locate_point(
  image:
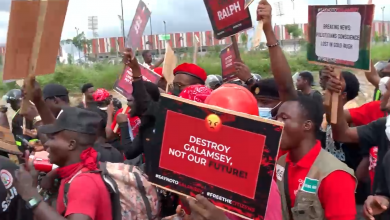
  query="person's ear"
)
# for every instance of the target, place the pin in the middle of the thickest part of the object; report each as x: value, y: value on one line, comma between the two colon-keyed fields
x: 344, y: 96
x: 307, y: 125
x: 72, y: 145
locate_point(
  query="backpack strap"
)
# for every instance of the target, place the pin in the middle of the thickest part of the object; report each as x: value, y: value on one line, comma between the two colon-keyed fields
x: 112, y: 188
x: 66, y: 191
x: 142, y: 190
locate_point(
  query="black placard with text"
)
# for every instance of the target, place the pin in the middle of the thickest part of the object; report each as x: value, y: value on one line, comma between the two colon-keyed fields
x: 228, y: 17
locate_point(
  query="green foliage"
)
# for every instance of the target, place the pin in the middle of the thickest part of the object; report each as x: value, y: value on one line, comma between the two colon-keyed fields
x: 294, y: 30
x: 244, y: 39
x: 104, y: 75
x: 377, y: 38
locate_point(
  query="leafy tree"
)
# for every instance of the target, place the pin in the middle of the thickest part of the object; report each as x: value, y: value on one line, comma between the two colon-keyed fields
x: 294, y: 30
x: 70, y: 58
x: 377, y: 38
x: 244, y: 39
x: 79, y: 41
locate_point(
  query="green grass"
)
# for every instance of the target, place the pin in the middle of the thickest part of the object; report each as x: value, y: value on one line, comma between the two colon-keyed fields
x: 104, y: 75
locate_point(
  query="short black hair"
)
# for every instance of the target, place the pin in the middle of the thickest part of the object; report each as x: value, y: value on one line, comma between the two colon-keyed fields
x: 351, y: 85
x: 266, y: 88
x: 85, y: 87
x: 312, y: 110
x: 145, y: 52
x: 306, y: 75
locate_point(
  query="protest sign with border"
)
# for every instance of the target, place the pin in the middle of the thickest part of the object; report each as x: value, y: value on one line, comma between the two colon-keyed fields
x: 228, y: 58
x: 137, y: 28
x: 226, y: 156
x: 124, y: 84
x: 228, y: 17
x: 340, y: 35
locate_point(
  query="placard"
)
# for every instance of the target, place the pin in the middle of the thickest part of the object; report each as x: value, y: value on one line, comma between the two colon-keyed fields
x: 170, y: 62
x: 340, y: 35
x: 228, y: 58
x: 124, y: 84
x: 137, y: 28
x: 30, y: 23
x: 226, y: 156
x: 228, y: 17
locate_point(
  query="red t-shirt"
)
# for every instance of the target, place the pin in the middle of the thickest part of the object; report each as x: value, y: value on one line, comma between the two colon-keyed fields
x: 363, y: 115
x: 87, y: 195
x: 366, y: 113
x: 336, y: 190
x: 135, y: 122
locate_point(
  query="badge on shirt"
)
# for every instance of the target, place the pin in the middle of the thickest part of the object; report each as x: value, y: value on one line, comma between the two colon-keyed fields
x: 310, y: 185
x: 279, y: 172
x: 6, y: 178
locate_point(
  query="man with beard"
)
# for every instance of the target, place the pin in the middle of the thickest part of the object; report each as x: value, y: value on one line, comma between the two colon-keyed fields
x: 148, y: 59
x: 87, y: 91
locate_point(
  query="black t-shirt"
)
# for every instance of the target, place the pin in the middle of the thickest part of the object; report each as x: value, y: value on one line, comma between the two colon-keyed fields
x: 373, y: 134
x: 12, y: 206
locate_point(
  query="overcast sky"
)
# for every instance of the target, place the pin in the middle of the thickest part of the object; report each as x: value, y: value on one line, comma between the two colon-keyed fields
x: 180, y: 15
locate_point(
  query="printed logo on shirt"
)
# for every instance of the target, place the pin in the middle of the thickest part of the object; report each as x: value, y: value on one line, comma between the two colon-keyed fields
x: 279, y: 172
x: 6, y: 178
x: 12, y: 193
x: 310, y: 185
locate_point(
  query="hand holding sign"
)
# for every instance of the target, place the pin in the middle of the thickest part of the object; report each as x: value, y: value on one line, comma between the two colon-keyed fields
x: 131, y: 61
x: 242, y: 71
x: 264, y: 13
x: 202, y: 208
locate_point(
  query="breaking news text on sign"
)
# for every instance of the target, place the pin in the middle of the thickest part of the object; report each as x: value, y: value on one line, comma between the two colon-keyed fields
x: 340, y: 35
x: 225, y: 157
x: 228, y: 17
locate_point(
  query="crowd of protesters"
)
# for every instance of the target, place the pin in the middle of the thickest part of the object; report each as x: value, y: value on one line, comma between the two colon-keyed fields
x: 347, y: 160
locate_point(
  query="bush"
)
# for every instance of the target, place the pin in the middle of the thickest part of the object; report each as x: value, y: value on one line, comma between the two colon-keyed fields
x: 104, y: 75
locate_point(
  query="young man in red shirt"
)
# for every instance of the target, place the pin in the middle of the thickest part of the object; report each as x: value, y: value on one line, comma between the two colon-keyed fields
x: 82, y: 193
x: 300, y: 176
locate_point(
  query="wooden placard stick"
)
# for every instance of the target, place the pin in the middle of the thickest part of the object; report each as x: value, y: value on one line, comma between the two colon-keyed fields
x: 327, y: 97
x: 34, y: 54
x: 335, y: 99
x: 196, y: 49
x: 235, y: 47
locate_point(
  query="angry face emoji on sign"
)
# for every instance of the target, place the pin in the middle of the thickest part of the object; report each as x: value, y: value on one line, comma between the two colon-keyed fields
x: 213, y: 122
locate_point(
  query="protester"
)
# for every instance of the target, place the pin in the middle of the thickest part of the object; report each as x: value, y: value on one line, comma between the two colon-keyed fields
x: 14, y: 98
x: 213, y: 81
x: 373, y: 134
x: 13, y: 207
x: 72, y: 135
x: 379, y: 70
x: 87, y: 91
x: 55, y: 96
x: 187, y: 74
x: 147, y: 56
x: 304, y: 84
x: 107, y: 153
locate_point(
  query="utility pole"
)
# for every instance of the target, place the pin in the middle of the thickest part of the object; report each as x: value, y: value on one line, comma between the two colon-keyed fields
x: 151, y: 32
x: 123, y: 21
x: 279, y: 13
x: 77, y: 32
x: 93, y: 25
x: 337, y: 2
x: 383, y: 23
x: 122, y: 25
x: 293, y: 11
x: 165, y: 27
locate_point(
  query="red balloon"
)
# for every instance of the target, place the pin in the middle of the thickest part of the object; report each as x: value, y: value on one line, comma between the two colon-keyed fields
x: 234, y: 97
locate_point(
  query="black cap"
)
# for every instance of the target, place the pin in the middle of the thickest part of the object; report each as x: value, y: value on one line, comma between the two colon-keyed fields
x: 54, y: 90
x: 74, y: 119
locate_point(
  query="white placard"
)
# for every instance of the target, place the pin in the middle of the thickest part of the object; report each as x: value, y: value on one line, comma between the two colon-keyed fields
x: 338, y: 35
